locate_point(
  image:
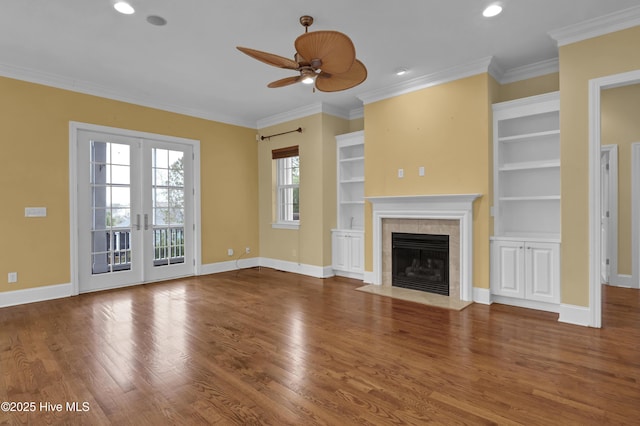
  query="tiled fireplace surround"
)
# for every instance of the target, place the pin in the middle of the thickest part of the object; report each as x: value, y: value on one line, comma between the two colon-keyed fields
x: 450, y: 214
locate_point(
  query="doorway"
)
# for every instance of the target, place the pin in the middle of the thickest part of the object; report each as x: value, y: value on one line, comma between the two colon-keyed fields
x: 596, y: 86
x: 135, y: 208
x: 609, y: 214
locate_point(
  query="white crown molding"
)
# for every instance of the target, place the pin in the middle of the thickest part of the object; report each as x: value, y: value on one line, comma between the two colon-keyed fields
x: 65, y: 83
x: 595, y: 27
x: 304, y: 111
x: 536, y: 69
x: 356, y: 113
x: 429, y: 80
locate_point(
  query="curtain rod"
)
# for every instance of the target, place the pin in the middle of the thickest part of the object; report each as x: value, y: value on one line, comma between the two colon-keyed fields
x: 299, y: 130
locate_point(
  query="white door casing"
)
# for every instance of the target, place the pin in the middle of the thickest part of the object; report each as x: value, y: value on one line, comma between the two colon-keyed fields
x: 147, y: 226
x: 596, y: 85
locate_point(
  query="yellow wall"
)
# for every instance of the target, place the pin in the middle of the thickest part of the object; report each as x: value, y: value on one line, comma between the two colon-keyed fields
x: 34, y: 172
x: 580, y: 62
x: 620, y: 109
x: 530, y: 87
x: 311, y: 243
x: 446, y: 129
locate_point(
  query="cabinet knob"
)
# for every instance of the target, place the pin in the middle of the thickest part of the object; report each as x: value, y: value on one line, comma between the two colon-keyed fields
x: 520, y: 247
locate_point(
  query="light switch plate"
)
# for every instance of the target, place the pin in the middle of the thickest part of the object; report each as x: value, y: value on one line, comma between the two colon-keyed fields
x: 35, y: 212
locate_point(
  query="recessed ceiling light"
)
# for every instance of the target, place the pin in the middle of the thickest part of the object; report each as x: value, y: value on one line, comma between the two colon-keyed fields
x: 401, y: 71
x: 156, y: 20
x: 124, y: 7
x: 492, y: 10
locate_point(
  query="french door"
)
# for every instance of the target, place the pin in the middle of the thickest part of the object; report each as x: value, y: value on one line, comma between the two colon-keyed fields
x: 135, y: 210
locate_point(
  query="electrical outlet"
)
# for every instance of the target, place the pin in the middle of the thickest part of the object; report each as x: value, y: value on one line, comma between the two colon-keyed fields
x: 247, y: 250
x: 12, y: 277
x: 400, y: 173
x: 230, y: 252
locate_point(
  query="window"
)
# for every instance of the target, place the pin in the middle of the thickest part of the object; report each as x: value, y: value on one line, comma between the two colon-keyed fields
x: 287, y: 185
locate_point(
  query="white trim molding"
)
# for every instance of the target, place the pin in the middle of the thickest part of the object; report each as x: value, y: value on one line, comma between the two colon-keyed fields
x: 595, y: 27
x: 87, y: 88
x: 440, y: 77
x: 635, y: 215
x: 596, y: 85
x: 230, y: 265
x: 482, y: 296
x: 525, y: 72
x: 297, y: 268
x: 302, y: 112
x: 37, y: 294
x: 450, y: 206
x: 576, y: 315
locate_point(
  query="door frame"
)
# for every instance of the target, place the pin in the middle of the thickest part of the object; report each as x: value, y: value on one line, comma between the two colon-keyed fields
x: 596, y: 85
x: 612, y: 237
x: 635, y: 213
x: 74, y: 128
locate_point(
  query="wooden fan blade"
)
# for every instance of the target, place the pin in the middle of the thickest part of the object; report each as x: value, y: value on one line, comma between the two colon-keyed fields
x: 284, y: 82
x: 335, y: 82
x: 270, y: 58
x: 334, y: 49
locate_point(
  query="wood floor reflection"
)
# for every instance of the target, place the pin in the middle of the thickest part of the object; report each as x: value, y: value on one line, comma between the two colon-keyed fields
x: 268, y: 347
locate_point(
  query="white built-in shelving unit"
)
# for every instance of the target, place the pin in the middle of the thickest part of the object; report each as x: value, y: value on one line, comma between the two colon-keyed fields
x: 525, y: 248
x: 348, y: 237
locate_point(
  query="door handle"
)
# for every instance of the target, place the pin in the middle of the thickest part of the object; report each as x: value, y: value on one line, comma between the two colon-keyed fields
x: 137, y: 222
x: 146, y: 221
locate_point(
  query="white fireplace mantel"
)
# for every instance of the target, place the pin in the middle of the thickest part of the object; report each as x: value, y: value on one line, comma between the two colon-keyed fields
x: 447, y: 206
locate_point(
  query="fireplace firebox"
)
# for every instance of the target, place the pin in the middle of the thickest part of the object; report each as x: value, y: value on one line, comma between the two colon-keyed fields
x: 420, y: 262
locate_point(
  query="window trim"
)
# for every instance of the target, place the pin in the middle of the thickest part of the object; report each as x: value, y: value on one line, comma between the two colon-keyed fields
x: 279, y: 155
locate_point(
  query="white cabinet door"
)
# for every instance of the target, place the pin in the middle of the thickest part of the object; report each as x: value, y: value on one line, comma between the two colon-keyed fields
x: 542, y: 263
x: 507, y: 268
x: 356, y: 257
x: 340, y: 251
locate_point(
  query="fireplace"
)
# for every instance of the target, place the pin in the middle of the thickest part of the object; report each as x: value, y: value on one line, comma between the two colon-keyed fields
x: 420, y: 262
x: 447, y: 214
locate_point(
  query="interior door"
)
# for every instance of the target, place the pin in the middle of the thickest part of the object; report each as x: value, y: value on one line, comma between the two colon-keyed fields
x: 135, y: 213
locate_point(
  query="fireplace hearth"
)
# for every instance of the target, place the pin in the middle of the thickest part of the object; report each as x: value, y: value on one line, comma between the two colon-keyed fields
x: 420, y: 262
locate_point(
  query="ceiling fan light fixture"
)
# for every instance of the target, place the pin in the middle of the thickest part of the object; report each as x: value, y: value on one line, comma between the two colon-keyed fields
x: 308, y: 76
x: 492, y: 10
x: 124, y: 8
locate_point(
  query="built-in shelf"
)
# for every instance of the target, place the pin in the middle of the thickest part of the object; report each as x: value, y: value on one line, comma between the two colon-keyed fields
x: 354, y: 180
x: 346, y: 160
x: 529, y: 165
x: 525, y: 248
x: 348, y: 237
x: 533, y: 136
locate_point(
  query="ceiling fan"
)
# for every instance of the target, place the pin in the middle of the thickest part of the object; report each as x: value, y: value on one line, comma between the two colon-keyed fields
x: 327, y: 58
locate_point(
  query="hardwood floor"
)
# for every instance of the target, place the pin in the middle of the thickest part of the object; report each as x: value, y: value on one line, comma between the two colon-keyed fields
x: 268, y: 347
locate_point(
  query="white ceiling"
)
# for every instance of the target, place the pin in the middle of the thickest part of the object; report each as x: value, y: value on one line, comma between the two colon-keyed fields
x: 191, y: 64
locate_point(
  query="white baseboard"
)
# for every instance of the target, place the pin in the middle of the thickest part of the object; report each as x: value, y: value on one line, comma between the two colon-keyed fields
x: 523, y: 303
x: 298, y: 268
x: 621, y: 280
x: 572, y: 314
x: 231, y: 265
x: 38, y: 294
x: 482, y: 295
x: 349, y: 274
x: 368, y: 277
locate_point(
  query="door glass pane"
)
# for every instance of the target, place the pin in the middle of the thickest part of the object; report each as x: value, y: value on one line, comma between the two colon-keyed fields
x: 110, y: 179
x: 168, y: 206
